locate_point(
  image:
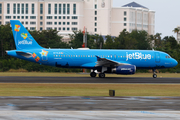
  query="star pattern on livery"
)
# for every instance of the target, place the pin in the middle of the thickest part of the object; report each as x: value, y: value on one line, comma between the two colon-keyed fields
x: 43, y: 53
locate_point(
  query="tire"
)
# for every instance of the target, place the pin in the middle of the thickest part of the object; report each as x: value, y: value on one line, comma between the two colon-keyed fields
x: 154, y: 76
x: 101, y: 75
x: 93, y: 74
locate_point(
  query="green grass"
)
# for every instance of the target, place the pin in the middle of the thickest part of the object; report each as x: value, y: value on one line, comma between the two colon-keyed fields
x: 28, y: 89
x: 43, y: 74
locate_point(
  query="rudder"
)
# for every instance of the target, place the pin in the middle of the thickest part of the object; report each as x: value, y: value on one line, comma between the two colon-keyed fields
x: 22, y: 38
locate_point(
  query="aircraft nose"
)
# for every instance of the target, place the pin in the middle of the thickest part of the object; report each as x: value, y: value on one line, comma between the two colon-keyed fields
x: 174, y: 63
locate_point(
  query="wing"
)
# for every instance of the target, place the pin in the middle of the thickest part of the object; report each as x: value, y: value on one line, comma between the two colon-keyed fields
x: 27, y: 55
x: 108, y: 63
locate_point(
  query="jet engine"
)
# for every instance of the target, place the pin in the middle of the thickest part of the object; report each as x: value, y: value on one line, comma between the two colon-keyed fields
x: 125, y: 69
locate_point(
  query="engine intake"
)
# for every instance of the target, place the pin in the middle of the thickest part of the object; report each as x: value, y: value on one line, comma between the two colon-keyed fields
x: 125, y: 69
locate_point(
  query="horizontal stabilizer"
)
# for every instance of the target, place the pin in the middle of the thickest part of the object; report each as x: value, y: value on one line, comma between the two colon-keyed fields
x: 27, y: 55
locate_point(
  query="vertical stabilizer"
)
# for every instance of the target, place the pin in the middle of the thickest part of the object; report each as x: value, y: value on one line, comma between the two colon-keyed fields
x: 22, y: 38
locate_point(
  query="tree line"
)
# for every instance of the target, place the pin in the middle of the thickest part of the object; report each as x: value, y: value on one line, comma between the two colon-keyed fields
x: 49, y: 39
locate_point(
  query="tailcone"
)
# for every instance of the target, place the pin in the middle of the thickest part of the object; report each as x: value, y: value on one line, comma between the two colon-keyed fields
x: 11, y: 53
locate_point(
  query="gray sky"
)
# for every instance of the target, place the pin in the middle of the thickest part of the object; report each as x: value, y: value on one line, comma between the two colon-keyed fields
x: 167, y: 15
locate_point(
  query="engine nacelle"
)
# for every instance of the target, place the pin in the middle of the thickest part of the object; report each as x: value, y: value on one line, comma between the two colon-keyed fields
x: 125, y: 69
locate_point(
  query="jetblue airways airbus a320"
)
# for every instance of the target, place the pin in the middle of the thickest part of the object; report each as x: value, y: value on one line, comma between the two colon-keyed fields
x: 122, y: 62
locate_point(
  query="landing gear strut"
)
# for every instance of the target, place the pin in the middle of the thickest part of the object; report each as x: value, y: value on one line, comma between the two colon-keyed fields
x: 154, y: 73
x: 93, y: 74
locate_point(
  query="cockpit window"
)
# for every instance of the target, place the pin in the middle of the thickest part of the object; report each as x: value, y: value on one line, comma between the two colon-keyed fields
x: 168, y: 56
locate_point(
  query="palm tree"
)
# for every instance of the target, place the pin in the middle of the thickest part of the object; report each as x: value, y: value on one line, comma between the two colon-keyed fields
x: 176, y: 30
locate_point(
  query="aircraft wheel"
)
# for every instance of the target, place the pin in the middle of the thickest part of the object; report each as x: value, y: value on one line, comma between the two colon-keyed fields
x: 154, y: 76
x: 93, y: 74
x: 101, y: 75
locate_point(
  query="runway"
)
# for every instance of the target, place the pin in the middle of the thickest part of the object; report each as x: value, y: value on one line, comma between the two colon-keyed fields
x: 87, y: 80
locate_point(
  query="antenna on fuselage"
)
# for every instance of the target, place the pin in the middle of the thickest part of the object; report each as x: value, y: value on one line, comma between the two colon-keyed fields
x: 71, y: 48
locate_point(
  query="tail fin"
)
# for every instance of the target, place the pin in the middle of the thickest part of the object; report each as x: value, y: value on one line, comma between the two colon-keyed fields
x: 22, y: 38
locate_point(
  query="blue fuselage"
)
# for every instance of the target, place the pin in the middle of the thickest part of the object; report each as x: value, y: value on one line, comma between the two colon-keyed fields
x: 77, y: 58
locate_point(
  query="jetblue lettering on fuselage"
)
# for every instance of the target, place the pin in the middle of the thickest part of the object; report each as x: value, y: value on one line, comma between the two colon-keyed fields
x: 137, y: 55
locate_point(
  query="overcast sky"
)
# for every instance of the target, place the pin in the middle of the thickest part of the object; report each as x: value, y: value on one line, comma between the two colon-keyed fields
x: 167, y: 16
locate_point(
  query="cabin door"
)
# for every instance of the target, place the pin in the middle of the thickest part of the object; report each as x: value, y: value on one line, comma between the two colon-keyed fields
x: 157, y: 57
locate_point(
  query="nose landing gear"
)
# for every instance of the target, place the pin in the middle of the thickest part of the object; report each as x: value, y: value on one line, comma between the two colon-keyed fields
x: 154, y: 73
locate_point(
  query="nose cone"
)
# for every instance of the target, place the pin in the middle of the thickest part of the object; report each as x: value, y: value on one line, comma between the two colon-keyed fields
x: 174, y: 63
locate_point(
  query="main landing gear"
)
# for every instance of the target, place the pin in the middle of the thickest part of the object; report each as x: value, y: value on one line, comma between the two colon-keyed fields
x: 154, y: 73
x: 101, y: 75
x: 93, y: 74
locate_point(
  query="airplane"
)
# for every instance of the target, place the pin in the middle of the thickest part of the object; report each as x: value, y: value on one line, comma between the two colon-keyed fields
x: 124, y: 62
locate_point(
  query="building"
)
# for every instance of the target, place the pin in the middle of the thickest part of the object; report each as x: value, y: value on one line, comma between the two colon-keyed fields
x: 66, y: 16
x: 132, y: 16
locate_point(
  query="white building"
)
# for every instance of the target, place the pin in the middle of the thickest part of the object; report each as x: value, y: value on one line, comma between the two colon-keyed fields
x: 99, y: 16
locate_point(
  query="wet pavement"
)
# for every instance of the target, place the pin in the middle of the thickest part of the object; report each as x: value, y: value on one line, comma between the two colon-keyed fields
x: 90, y: 103
x: 89, y: 115
x: 88, y: 108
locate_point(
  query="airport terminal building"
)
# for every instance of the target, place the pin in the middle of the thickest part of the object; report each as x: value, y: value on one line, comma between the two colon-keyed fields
x: 98, y: 16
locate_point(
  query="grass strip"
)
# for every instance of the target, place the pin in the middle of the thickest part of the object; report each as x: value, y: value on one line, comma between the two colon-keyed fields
x: 43, y: 74
x: 28, y: 89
